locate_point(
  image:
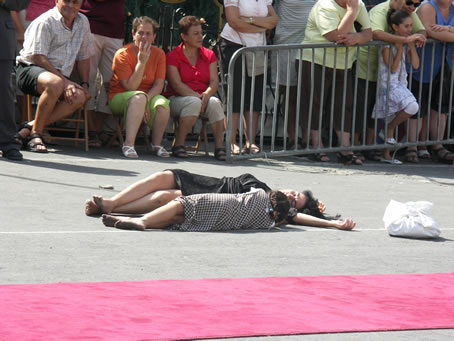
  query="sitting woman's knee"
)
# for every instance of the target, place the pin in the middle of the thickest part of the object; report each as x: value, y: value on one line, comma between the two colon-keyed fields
x: 194, y: 105
x: 138, y: 99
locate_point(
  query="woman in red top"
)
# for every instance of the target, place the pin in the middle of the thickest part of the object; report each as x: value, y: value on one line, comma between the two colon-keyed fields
x: 138, y: 74
x: 192, y: 81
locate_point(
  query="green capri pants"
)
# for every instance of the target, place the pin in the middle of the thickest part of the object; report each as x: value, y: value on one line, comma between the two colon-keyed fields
x: 119, y: 104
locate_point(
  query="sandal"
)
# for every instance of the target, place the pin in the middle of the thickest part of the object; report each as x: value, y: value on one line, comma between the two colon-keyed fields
x: 411, y: 155
x: 93, y: 140
x: 424, y: 154
x: 253, y: 149
x: 349, y: 159
x: 179, y: 151
x: 359, y: 155
x: 220, y: 154
x: 159, y: 151
x: 372, y: 155
x: 320, y: 157
x: 442, y: 155
x: 391, y: 161
x: 21, y: 139
x: 35, y: 141
x: 235, y: 149
x: 129, y: 151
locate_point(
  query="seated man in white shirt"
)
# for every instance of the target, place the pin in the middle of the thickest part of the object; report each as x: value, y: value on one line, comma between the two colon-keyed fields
x: 54, y: 42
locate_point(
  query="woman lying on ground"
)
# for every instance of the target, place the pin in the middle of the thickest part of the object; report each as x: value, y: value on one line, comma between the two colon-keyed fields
x: 211, y: 212
x: 160, y: 188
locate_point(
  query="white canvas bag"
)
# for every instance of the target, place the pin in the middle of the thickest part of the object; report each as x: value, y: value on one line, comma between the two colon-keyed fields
x: 410, y: 219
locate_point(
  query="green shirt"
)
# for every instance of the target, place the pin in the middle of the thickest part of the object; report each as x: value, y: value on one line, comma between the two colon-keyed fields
x: 378, y: 22
x: 325, y: 17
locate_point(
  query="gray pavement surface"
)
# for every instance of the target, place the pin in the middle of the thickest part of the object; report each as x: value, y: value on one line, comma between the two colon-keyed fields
x: 45, y: 236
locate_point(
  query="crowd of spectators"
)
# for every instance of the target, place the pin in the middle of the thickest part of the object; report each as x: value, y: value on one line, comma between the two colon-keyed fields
x: 71, y: 55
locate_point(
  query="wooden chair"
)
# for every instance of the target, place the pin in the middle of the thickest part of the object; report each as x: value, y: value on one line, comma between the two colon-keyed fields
x: 119, y: 127
x: 81, y: 119
x: 202, y: 135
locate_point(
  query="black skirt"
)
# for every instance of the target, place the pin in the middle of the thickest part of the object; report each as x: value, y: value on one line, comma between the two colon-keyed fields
x: 190, y: 183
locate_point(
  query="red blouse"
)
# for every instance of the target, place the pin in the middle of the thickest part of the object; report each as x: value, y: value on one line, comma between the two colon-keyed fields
x: 197, y: 76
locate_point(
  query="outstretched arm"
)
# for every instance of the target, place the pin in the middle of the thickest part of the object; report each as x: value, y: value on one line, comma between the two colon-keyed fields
x: 308, y: 220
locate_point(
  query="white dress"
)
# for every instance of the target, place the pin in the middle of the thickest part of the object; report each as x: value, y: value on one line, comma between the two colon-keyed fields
x: 399, y: 94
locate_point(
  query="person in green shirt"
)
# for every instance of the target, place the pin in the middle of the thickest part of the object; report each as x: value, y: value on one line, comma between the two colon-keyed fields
x: 331, y: 21
x: 368, y: 61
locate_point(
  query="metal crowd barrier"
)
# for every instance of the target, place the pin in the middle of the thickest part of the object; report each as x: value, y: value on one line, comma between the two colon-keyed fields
x: 274, y: 143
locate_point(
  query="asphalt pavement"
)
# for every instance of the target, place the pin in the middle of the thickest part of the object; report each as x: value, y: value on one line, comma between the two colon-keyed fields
x: 45, y: 236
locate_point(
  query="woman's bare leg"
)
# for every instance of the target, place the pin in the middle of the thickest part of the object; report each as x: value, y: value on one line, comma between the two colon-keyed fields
x: 171, y: 213
x: 155, y: 182
x: 149, y: 202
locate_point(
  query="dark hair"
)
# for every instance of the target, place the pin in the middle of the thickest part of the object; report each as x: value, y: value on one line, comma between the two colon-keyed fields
x: 396, y: 17
x: 311, y: 208
x: 280, y: 205
x: 186, y: 22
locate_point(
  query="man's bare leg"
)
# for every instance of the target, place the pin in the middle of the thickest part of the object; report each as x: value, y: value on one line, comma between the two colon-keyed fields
x: 48, y: 110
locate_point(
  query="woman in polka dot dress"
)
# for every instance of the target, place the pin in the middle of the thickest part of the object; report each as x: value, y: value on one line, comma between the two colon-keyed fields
x: 211, y: 212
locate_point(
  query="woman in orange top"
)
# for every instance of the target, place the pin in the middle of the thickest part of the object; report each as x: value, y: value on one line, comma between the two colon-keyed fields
x: 135, y: 89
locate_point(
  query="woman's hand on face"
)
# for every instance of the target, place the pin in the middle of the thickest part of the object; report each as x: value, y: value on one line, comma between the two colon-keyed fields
x: 144, y: 52
x: 347, y: 224
x: 321, y: 207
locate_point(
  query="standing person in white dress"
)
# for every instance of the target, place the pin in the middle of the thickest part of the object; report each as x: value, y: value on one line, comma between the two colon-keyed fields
x: 397, y: 102
x: 247, y: 23
x: 292, y: 18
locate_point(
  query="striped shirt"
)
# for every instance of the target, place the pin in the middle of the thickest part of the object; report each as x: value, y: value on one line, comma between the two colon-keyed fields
x: 47, y: 35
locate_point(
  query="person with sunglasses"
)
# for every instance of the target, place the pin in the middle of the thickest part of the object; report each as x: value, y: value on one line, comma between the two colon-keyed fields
x: 158, y: 189
x: 437, y: 16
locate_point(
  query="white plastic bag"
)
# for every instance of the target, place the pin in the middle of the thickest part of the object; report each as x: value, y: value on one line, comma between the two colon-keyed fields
x: 410, y: 219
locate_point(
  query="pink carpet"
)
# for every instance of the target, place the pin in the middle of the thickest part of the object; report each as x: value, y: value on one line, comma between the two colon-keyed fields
x: 209, y: 308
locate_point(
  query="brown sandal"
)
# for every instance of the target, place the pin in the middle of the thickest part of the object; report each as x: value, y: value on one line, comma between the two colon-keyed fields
x: 34, y: 142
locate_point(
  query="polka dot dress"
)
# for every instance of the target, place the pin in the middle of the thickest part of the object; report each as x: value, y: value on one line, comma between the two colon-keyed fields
x: 221, y: 212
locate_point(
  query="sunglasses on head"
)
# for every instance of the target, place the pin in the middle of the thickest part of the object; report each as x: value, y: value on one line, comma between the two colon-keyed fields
x: 410, y: 3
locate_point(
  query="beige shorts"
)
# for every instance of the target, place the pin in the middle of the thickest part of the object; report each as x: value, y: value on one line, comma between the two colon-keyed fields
x: 182, y: 106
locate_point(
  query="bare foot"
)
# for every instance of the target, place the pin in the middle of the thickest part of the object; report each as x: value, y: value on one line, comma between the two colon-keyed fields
x: 130, y: 224
x: 91, y: 208
x: 99, y: 201
x: 109, y: 220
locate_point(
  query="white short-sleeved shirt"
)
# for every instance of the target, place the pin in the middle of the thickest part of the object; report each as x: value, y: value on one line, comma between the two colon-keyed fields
x: 247, y: 8
x: 47, y: 35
